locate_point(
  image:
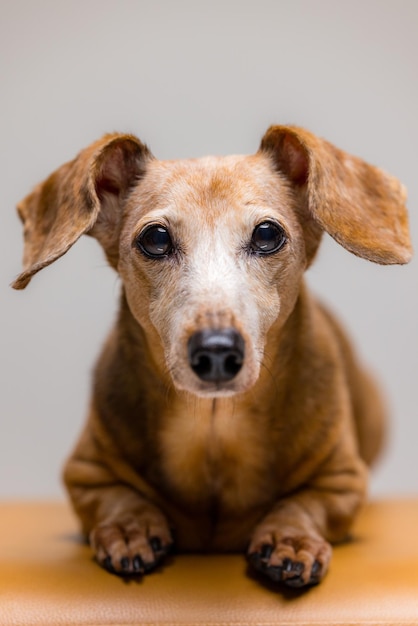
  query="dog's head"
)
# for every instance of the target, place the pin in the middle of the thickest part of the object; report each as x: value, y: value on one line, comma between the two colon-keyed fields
x: 211, y: 251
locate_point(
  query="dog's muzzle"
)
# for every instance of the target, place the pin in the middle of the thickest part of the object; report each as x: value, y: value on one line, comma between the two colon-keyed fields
x: 216, y: 356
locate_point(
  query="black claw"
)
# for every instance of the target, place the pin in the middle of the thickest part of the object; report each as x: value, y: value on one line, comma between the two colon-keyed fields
x: 298, y: 568
x: 297, y: 581
x: 266, y: 551
x: 125, y: 564
x: 288, y: 565
x: 138, y: 564
x: 316, y: 568
x: 155, y: 543
x: 315, y: 573
x: 107, y: 564
x: 159, y: 549
x: 259, y: 561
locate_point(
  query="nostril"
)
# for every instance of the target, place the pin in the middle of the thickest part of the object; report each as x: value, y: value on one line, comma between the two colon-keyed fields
x: 216, y: 355
x: 202, y: 365
x: 233, y: 364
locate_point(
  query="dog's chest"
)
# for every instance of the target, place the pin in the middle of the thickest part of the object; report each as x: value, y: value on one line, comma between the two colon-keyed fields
x: 216, y: 452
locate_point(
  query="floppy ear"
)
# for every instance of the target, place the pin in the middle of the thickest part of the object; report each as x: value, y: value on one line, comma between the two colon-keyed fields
x: 359, y: 205
x: 80, y: 195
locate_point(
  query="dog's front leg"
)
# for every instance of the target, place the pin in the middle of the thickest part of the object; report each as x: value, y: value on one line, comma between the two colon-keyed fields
x: 292, y: 544
x: 127, y: 532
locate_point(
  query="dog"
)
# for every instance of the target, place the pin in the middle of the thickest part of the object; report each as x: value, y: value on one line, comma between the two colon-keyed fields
x: 228, y: 411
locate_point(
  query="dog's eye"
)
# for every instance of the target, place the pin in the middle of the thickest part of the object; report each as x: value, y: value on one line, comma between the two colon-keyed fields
x: 267, y: 237
x: 154, y: 241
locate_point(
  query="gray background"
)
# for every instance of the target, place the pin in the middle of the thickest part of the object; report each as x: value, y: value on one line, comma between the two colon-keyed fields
x: 193, y: 78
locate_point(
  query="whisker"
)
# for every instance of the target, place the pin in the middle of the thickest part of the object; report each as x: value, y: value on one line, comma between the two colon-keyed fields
x: 272, y: 377
x: 267, y: 356
x: 116, y: 283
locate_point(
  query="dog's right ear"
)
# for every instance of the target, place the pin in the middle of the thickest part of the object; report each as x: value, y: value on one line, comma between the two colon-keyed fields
x: 82, y: 196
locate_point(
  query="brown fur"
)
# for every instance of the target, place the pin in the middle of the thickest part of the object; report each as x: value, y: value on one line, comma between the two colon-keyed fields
x: 275, y: 461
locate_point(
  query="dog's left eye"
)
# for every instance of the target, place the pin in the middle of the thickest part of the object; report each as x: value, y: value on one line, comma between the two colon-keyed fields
x: 267, y: 237
x: 154, y: 241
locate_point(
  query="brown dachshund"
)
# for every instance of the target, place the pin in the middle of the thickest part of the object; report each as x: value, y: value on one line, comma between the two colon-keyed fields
x: 228, y: 410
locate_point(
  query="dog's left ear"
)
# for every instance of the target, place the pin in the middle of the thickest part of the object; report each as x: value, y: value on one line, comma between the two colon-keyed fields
x: 83, y: 196
x: 359, y: 205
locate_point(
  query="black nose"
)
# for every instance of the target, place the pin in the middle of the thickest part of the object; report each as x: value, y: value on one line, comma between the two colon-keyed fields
x: 216, y: 355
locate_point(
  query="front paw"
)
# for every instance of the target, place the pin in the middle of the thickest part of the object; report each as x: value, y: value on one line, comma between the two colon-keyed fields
x: 131, y: 546
x: 296, y: 561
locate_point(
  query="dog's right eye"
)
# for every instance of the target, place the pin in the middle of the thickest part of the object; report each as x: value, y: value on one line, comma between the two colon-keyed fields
x: 154, y: 241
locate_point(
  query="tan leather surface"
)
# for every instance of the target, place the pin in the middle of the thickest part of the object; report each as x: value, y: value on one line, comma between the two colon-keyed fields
x: 47, y: 576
